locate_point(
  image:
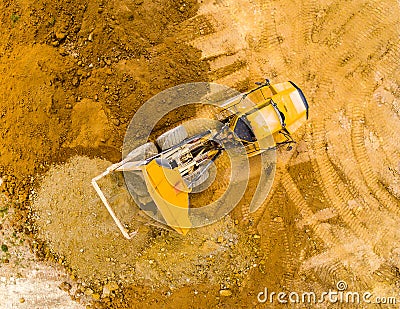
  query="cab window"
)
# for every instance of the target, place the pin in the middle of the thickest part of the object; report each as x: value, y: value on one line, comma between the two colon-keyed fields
x: 243, y: 130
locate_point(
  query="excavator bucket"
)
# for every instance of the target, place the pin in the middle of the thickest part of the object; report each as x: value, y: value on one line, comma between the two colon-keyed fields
x: 170, y: 193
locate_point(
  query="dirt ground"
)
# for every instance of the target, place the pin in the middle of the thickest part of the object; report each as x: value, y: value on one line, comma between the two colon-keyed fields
x: 74, y: 72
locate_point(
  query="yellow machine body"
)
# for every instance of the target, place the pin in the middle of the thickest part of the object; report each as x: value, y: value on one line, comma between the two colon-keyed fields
x: 170, y: 193
x: 269, y: 110
x: 263, y: 116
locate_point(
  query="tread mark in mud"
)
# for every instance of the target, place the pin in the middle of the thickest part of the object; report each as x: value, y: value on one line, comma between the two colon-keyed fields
x: 368, y: 34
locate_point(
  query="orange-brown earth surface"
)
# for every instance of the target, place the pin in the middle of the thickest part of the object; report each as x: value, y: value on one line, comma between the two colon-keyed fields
x: 73, y: 73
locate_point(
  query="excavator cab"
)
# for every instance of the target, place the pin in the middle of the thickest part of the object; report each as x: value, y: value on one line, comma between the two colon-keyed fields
x: 277, y: 110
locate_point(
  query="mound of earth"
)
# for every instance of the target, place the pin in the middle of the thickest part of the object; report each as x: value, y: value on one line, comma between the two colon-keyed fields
x: 76, y: 227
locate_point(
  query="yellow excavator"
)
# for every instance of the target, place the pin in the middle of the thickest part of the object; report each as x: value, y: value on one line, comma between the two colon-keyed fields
x: 179, y: 163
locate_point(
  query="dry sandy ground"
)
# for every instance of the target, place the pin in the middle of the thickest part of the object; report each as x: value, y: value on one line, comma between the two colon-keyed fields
x: 25, y: 281
x: 333, y: 213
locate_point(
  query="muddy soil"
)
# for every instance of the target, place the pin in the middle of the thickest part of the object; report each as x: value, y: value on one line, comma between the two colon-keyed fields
x: 75, y: 72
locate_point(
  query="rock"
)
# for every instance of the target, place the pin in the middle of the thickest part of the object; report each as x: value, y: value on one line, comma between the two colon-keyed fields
x: 88, y: 292
x: 22, y: 300
x: 60, y: 35
x: 116, y: 121
x: 220, y: 239
x: 108, y: 288
x: 225, y: 293
x: 96, y: 296
x: 65, y: 286
x: 90, y: 37
x: 63, y: 52
x: 278, y: 219
x: 75, y: 81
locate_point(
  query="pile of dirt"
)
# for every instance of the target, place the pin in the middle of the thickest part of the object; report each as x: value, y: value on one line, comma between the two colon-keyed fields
x: 77, y: 229
x: 74, y: 73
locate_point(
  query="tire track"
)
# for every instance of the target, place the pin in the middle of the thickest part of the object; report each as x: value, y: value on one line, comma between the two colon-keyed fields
x: 337, y: 64
x: 339, y: 144
x: 385, y: 125
x: 380, y: 120
x: 280, y: 239
x: 382, y: 167
x: 369, y: 209
x: 357, y: 107
x: 321, y: 230
x: 309, y: 13
x: 226, y: 48
x: 333, y: 18
x: 338, y: 151
x: 195, y: 28
x: 284, y: 157
x: 259, y: 214
x: 342, y: 50
x: 270, y: 44
x: 357, y: 133
x: 335, y: 192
